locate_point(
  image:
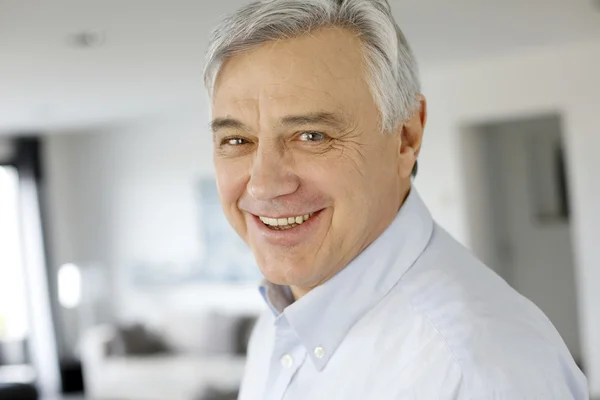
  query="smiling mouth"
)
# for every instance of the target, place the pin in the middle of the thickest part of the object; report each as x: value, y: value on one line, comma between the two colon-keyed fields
x: 282, y: 224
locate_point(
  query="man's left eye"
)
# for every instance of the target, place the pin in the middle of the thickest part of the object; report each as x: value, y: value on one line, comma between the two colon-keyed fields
x: 312, y: 136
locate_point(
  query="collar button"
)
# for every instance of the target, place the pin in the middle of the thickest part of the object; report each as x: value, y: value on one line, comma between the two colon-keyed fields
x: 287, y: 361
x: 319, y: 352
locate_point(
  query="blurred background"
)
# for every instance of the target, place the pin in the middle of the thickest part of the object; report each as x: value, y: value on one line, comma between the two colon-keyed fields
x: 119, y: 277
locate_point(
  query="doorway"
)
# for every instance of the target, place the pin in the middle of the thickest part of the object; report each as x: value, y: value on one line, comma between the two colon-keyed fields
x: 518, y: 208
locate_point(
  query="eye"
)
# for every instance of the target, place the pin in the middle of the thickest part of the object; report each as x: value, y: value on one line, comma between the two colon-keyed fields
x: 234, y: 141
x: 312, y: 136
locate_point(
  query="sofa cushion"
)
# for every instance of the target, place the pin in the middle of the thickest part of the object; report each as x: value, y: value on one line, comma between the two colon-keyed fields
x: 136, y: 339
x: 18, y: 391
x: 202, y: 333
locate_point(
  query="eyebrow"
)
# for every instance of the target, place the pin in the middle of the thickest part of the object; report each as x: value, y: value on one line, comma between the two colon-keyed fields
x: 222, y: 123
x: 325, y: 118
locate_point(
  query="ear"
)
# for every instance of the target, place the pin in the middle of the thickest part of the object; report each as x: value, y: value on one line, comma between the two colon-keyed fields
x: 411, y: 138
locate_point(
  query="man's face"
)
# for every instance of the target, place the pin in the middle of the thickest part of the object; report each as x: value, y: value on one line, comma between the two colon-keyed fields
x: 296, y: 135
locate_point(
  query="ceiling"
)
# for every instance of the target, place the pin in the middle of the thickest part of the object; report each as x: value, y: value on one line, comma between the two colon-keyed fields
x: 151, y: 59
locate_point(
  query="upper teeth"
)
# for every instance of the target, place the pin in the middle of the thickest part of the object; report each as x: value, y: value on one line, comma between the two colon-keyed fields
x: 285, y: 221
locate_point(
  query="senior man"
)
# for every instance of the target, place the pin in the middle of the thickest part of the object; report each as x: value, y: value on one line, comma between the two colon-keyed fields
x: 317, y: 123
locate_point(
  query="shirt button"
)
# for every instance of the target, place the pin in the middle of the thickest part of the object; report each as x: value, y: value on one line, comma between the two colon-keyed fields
x: 287, y: 361
x: 319, y: 352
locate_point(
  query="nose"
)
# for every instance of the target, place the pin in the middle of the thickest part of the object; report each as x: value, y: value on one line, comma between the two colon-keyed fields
x: 271, y: 175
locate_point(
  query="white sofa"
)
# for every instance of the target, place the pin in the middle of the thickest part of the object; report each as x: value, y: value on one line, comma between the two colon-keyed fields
x: 201, y: 360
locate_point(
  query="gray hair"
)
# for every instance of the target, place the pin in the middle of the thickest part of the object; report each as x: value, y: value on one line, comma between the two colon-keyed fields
x: 391, y: 65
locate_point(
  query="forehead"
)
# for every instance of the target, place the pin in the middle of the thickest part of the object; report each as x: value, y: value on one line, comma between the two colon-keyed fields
x: 324, y: 69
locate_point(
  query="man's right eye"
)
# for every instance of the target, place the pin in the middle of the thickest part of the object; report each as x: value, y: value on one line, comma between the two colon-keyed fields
x: 234, y: 141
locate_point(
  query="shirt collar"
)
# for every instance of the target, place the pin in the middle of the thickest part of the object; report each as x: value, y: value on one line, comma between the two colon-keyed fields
x: 323, y: 317
x: 277, y: 297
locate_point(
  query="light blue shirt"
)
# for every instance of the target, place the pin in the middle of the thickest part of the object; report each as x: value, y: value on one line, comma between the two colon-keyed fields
x: 414, y: 316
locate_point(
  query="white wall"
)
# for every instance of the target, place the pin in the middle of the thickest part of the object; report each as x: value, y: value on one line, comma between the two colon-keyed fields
x: 559, y: 79
x: 126, y: 193
x: 121, y: 194
x: 77, y: 211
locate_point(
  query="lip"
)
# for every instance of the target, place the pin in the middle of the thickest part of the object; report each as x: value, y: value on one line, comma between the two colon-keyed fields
x: 288, y: 237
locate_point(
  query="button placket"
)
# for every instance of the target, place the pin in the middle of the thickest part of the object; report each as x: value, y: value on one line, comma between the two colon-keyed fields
x: 287, y: 357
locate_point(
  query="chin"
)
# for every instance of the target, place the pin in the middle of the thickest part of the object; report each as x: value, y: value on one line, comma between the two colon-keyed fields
x: 289, y: 273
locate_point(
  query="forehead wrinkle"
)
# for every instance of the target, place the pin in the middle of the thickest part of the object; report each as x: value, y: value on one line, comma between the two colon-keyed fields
x: 311, y: 95
x: 314, y: 90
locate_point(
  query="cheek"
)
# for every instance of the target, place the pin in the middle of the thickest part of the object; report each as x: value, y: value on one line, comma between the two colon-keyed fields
x: 354, y: 182
x: 231, y: 182
x: 342, y: 181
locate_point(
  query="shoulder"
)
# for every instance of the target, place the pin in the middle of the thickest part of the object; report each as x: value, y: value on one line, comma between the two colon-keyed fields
x: 500, y: 339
